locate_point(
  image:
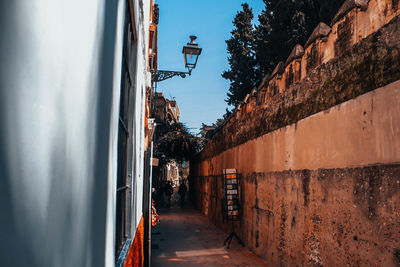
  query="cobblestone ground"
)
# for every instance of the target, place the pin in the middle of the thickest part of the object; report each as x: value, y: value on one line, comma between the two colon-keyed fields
x: 185, y: 237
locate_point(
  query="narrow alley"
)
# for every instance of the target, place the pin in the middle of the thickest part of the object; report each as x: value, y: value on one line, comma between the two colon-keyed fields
x: 185, y: 237
x: 139, y: 133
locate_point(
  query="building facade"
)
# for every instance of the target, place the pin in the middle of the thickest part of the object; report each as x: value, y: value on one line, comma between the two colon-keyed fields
x: 165, y: 111
x: 75, y: 139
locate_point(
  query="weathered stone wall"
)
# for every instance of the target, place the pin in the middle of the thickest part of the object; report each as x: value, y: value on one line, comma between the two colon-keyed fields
x: 330, y: 217
x: 318, y: 150
x: 362, y: 66
x: 325, y: 190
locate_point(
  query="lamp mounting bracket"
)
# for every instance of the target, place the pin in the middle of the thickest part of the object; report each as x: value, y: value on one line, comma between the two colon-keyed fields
x: 161, y: 75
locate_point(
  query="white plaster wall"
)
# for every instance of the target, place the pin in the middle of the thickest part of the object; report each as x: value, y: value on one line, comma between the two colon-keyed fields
x: 142, y: 15
x: 60, y: 64
x: 113, y: 138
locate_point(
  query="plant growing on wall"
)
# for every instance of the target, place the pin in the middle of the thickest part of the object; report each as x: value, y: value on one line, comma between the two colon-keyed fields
x: 178, y: 144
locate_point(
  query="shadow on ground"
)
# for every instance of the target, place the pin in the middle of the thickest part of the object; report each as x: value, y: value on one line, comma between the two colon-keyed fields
x: 185, y: 237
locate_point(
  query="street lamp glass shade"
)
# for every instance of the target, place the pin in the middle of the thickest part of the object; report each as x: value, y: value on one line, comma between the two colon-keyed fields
x: 191, y: 53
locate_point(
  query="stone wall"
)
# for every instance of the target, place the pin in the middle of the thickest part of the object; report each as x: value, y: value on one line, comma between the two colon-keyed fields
x: 330, y: 217
x: 324, y: 190
x: 330, y: 79
x: 317, y: 147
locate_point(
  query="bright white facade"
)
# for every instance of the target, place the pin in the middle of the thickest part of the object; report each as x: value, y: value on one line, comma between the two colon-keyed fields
x: 60, y: 86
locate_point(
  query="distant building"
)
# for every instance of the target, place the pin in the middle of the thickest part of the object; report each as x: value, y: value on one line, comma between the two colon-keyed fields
x: 165, y: 111
x: 172, y: 172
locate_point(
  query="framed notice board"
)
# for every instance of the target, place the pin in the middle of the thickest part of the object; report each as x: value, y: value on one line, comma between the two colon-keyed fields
x: 231, y: 181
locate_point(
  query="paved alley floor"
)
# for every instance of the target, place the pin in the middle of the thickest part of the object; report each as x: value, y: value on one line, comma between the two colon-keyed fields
x: 187, y: 238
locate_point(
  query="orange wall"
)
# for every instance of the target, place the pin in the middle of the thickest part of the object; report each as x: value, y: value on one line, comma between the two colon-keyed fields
x: 360, y: 132
x: 135, y: 256
x: 325, y: 190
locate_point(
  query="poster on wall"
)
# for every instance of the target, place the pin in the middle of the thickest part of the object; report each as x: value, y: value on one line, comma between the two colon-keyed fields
x: 232, y: 194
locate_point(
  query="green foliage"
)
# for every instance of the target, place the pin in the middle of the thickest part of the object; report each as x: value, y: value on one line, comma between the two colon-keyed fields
x: 243, y: 74
x: 177, y: 144
x: 285, y: 23
x: 255, y: 51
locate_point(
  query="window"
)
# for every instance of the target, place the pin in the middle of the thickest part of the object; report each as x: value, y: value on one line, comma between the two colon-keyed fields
x: 125, y: 137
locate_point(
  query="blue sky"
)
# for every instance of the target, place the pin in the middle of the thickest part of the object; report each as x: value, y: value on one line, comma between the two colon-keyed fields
x: 200, y: 97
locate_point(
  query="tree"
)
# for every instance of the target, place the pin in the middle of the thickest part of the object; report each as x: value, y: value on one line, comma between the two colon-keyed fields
x: 243, y: 74
x: 177, y: 144
x: 285, y: 23
x: 254, y: 53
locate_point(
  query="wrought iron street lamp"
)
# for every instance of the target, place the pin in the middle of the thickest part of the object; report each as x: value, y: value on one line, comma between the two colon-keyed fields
x: 191, y: 52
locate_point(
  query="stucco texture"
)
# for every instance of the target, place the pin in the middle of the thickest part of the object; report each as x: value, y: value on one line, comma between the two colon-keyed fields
x: 322, y: 191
